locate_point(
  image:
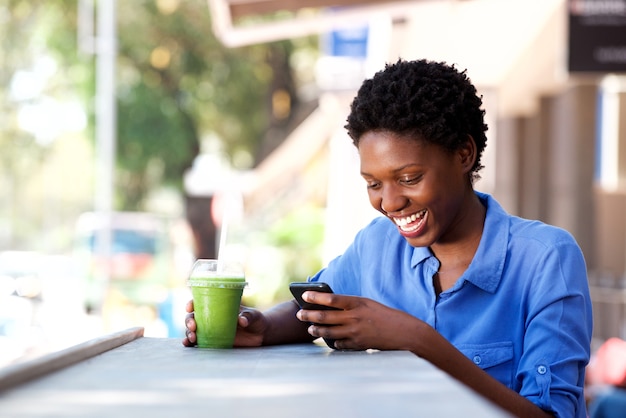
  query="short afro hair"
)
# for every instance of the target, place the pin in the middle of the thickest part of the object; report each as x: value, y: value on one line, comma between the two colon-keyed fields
x: 428, y: 100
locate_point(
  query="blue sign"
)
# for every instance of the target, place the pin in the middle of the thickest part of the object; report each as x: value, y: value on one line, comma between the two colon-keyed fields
x: 350, y: 42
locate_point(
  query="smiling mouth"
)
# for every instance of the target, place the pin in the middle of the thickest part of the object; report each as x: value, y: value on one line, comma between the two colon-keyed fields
x: 412, y: 222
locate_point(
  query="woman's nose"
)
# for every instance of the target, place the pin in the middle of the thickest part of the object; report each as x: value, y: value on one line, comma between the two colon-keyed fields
x: 392, y: 200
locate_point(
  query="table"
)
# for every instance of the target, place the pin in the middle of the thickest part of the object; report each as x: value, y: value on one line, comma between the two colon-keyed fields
x: 137, y: 376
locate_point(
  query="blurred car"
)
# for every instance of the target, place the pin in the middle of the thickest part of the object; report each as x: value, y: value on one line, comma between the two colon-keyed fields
x: 133, y: 280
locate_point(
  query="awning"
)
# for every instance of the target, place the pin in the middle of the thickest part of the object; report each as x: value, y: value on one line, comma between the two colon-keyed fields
x: 307, y: 17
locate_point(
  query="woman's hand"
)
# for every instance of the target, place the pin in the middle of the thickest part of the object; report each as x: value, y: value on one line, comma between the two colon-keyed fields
x: 365, y: 324
x: 251, y: 327
x: 190, y: 326
x: 361, y: 324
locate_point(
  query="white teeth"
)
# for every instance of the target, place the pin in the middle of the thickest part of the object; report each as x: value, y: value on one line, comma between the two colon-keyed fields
x: 407, y: 220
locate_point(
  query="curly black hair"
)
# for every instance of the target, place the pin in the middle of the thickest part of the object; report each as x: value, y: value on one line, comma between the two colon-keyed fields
x: 428, y: 100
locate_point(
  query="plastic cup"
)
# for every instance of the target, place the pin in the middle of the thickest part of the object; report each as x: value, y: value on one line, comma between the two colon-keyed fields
x: 216, y: 288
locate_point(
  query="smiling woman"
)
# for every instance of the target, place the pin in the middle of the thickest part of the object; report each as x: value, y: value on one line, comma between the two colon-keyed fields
x: 498, y: 302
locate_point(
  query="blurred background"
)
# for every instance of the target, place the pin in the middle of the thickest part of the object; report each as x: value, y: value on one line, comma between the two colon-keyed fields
x: 138, y: 136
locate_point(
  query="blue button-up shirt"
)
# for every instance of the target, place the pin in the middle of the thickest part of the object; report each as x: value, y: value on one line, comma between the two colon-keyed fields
x: 521, y: 311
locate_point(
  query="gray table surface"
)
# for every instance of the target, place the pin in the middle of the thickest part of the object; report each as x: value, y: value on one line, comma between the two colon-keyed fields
x: 158, y: 377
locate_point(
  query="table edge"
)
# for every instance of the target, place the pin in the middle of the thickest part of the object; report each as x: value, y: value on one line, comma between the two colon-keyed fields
x: 17, y: 374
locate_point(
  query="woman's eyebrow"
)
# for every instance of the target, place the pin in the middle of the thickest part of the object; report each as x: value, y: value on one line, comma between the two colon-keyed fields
x: 395, y: 170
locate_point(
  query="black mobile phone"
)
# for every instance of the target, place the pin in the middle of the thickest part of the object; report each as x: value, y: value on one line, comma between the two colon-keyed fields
x: 298, y: 288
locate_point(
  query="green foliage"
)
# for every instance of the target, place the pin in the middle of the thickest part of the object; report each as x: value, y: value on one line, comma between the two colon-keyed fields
x: 177, y: 84
x: 33, y: 33
x: 279, y: 251
x: 302, y: 229
x: 299, y: 237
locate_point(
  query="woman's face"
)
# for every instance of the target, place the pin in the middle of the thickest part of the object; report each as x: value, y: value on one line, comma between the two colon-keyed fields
x: 421, y: 187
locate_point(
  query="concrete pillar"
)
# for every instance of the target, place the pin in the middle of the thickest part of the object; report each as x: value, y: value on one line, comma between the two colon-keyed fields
x: 507, y: 164
x: 533, y: 168
x: 571, y: 138
x: 610, y: 234
x: 610, y: 190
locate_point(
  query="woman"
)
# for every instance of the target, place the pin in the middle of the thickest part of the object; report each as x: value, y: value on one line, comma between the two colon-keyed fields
x: 498, y: 302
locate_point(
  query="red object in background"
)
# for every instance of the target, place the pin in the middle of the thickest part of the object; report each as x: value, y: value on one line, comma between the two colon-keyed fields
x: 126, y: 266
x: 608, y: 367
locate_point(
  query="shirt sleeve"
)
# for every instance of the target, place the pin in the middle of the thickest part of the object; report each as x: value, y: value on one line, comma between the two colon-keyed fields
x: 558, y: 332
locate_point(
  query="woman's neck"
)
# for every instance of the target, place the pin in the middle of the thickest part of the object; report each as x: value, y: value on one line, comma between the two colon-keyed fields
x: 457, y: 251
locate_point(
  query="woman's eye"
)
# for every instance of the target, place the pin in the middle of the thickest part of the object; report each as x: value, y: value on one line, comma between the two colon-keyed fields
x: 411, y: 180
x: 372, y: 184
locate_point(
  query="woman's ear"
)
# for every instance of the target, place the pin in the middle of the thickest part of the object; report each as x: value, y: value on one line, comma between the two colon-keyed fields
x: 467, y: 153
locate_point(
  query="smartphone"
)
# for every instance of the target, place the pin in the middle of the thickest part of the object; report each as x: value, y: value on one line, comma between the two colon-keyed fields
x: 298, y: 288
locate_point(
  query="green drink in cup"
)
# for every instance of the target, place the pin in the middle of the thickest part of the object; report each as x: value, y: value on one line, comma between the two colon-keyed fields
x: 216, y: 287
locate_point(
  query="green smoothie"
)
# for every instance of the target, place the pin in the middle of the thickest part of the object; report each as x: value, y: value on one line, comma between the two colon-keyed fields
x: 216, y: 301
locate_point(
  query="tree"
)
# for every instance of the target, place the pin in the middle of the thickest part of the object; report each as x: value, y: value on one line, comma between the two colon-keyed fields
x: 179, y: 84
x: 29, y: 79
x: 176, y: 85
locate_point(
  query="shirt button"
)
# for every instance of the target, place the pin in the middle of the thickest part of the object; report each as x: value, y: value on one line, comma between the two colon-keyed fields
x: 542, y: 369
x: 477, y: 359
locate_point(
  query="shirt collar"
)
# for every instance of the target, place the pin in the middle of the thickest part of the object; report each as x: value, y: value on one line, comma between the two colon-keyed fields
x: 485, y: 270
